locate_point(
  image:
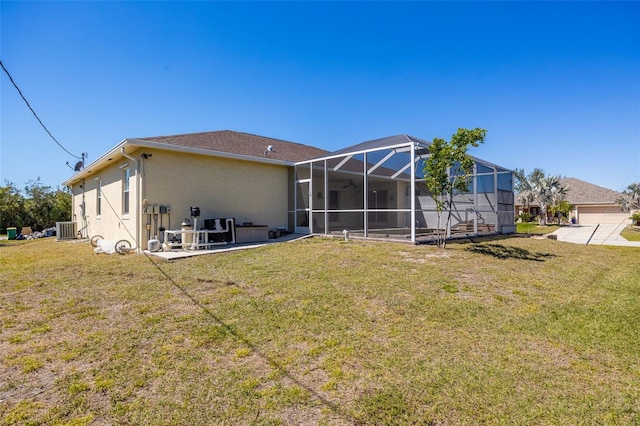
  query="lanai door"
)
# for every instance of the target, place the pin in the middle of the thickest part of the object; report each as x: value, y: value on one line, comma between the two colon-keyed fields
x: 303, y: 199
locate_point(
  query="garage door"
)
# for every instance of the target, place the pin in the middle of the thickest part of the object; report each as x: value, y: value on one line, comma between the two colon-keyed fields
x: 601, y: 214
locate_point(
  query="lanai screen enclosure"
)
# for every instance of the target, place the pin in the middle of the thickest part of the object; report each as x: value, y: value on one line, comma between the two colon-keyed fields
x: 376, y: 189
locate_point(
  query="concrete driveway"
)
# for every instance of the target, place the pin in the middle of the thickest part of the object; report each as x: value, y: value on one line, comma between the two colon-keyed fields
x: 603, y: 234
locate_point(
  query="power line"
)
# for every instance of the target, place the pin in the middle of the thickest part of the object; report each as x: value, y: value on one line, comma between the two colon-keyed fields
x: 36, y: 115
x: 275, y: 364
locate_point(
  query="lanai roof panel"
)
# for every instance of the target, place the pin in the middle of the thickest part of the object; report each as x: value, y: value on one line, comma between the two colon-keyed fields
x: 381, y: 143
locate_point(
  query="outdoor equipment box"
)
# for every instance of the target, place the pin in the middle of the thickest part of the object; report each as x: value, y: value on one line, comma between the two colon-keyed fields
x: 252, y: 233
x: 225, y: 231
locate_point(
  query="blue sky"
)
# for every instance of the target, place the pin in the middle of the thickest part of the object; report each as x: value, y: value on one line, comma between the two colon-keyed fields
x: 556, y: 84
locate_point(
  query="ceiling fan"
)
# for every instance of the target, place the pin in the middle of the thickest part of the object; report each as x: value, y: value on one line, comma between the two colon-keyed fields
x: 352, y: 185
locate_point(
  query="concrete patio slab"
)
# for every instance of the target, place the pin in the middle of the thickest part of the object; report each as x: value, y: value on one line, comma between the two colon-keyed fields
x: 181, y: 254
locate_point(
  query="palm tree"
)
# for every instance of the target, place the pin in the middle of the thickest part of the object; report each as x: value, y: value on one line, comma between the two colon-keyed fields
x: 633, y: 191
x: 548, y: 191
x: 561, y: 208
x: 631, y: 200
x: 542, y: 190
x: 525, y: 185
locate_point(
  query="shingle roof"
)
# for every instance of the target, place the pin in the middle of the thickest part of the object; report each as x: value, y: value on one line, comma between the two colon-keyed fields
x: 240, y: 143
x: 581, y: 192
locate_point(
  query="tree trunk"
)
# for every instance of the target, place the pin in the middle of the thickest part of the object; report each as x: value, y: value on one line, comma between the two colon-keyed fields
x: 440, y: 236
x: 543, y: 215
x: 447, y: 225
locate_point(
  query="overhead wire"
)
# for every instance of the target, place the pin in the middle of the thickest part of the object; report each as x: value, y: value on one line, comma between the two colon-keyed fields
x: 36, y: 115
x: 124, y: 225
x: 270, y: 360
x: 611, y: 210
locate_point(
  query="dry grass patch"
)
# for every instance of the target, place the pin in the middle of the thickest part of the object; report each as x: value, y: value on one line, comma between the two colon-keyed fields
x: 322, y: 332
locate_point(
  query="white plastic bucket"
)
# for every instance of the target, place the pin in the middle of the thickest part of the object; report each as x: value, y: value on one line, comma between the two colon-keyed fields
x: 154, y: 245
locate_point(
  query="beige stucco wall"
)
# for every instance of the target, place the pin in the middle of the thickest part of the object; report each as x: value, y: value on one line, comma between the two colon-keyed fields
x: 111, y: 224
x: 220, y: 187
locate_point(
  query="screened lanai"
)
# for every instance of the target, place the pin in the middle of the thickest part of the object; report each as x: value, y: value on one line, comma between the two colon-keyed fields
x: 376, y: 190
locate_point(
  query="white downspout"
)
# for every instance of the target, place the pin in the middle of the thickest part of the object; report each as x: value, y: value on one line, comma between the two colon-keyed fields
x: 84, y: 225
x: 139, y: 203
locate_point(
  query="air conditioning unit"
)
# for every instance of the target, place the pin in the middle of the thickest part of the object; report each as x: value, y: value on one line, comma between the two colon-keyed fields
x: 66, y: 230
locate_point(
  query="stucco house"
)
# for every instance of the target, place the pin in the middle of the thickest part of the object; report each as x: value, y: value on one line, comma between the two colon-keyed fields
x: 592, y: 204
x: 144, y: 186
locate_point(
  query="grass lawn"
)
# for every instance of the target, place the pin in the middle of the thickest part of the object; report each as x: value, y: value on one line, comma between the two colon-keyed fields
x: 534, y: 228
x: 319, y: 331
x: 631, y: 233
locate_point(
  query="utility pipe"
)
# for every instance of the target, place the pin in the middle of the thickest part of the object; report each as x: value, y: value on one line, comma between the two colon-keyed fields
x: 83, y: 210
x: 139, y: 201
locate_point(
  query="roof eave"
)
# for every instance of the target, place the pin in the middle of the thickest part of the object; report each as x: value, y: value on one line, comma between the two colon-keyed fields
x: 116, y: 153
x: 211, y: 153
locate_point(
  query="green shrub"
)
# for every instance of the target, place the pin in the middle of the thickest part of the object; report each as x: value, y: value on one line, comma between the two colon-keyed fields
x: 525, y: 217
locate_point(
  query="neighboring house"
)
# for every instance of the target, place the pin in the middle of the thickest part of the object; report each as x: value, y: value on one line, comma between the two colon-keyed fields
x: 592, y: 204
x: 145, y: 185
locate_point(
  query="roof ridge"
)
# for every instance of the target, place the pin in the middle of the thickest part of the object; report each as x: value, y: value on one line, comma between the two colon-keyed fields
x: 591, y: 184
x: 183, y: 134
x: 228, y: 131
x: 265, y: 137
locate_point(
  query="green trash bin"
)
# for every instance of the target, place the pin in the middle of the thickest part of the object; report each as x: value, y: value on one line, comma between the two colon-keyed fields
x: 11, y: 233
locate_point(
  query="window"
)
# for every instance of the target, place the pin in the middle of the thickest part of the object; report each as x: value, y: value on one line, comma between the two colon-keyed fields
x: 99, y: 198
x: 126, y: 174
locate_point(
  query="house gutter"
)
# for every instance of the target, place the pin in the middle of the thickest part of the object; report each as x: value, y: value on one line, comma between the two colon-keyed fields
x: 209, y: 153
x: 142, y: 143
x: 138, y: 236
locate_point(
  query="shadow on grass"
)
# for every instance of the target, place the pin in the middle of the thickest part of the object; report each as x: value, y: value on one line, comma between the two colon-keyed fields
x: 471, y: 238
x: 504, y: 252
x: 254, y: 347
